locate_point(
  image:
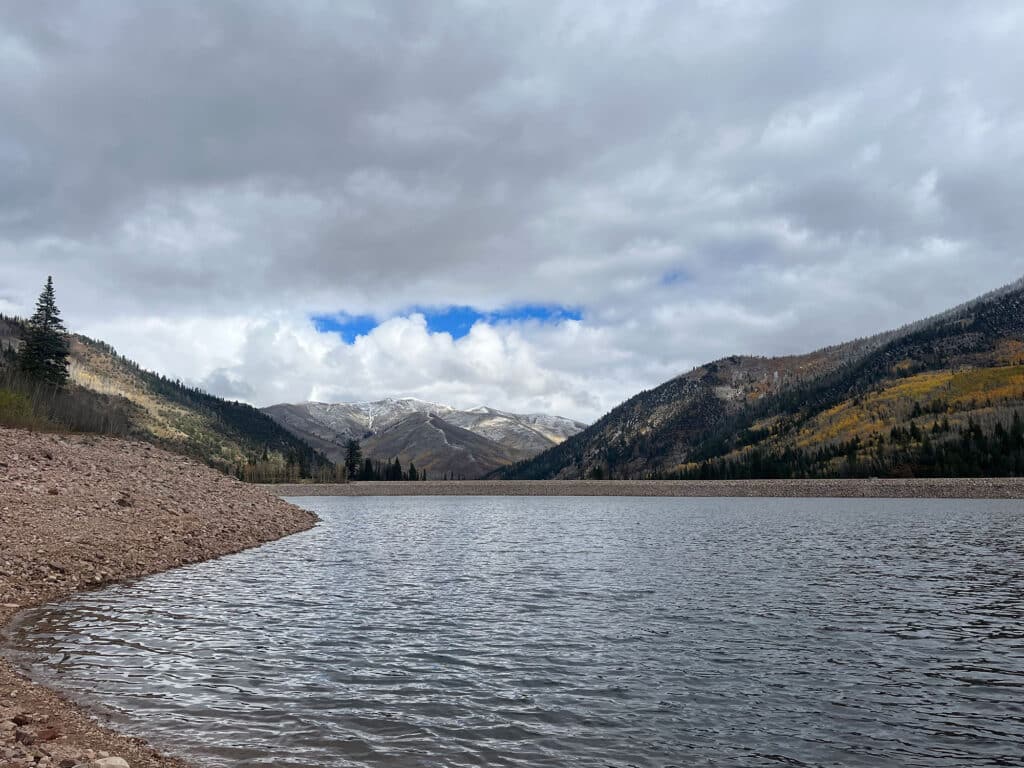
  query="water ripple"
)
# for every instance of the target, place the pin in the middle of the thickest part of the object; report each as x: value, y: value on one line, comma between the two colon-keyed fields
x: 589, y: 632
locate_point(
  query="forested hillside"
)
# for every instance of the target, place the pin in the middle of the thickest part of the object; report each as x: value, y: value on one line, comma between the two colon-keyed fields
x: 940, y: 397
x: 232, y: 436
x: 109, y: 394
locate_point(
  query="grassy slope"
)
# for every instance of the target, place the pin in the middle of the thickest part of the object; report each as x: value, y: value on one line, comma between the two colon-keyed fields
x: 112, y: 395
x: 222, y: 433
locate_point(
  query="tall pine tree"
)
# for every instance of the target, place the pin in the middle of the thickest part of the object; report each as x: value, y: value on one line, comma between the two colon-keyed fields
x: 44, y: 355
x: 353, y: 459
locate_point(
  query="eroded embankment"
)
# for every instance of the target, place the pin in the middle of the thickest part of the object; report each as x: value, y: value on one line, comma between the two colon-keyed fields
x: 77, y: 512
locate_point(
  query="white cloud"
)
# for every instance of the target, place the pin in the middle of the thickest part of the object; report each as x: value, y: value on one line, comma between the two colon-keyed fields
x: 698, y: 179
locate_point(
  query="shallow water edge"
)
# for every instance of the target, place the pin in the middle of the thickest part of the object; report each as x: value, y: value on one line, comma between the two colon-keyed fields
x: 78, y: 512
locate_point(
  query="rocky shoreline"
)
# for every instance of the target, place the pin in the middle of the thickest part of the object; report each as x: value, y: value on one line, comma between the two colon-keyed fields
x: 911, y: 488
x: 78, y: 512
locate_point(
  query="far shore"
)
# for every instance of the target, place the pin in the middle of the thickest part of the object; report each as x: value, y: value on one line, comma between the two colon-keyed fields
x: 910, y: 488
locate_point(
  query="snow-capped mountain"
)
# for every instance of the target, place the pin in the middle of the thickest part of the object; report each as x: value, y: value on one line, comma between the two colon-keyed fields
x: 328, y: 426
x: 532, y: 432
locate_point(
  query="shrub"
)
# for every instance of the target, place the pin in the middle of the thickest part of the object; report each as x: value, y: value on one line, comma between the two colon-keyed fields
x: 27, y: 402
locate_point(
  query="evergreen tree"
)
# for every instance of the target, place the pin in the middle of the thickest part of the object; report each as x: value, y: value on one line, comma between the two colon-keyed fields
x: 353, y: 458
x: 368, y: 473
x: 44, y: 355
x: 413, y: 474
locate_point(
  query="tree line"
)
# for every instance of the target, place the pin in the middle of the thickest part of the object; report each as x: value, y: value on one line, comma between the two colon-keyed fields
x: 358, y: 467
x: 936, y: 450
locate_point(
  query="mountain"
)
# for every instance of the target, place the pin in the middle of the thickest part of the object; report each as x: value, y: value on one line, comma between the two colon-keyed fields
x: 440, y: 448
x: 943, y: 396
x: 111, y: 394
x: 511, y: 437
x: 529, y: 433
x: 328, y: 426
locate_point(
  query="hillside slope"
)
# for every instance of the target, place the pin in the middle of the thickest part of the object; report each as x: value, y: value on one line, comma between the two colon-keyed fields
x: 221, y: 433
x: 861, y: 408
x: 528, y: 433
x: 439, y: 448
x: 110, y: 394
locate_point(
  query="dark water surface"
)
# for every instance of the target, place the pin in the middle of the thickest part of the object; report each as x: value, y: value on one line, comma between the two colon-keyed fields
x: 586, y: 631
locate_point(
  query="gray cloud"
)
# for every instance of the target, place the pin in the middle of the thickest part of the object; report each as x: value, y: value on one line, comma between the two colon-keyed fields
x: 814, y: 171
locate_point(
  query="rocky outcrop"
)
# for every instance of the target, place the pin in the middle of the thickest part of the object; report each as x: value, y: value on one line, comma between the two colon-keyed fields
x: 77, y: 512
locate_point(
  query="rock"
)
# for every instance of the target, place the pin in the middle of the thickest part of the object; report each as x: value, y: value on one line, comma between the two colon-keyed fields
x: 21, y: 719
x: 24, y: 737
x: 48, y: 734
x: 110, y: 762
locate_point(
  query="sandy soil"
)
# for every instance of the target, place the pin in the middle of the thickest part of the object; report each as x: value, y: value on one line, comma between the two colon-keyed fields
x: 958, y: 488
x: 80, y: 512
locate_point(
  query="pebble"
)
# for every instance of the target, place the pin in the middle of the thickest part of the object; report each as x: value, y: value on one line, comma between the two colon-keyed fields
x: 109, y: 762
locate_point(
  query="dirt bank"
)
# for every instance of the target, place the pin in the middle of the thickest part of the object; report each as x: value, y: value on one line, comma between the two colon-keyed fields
x: 955, y: 488
x: 79, y: 512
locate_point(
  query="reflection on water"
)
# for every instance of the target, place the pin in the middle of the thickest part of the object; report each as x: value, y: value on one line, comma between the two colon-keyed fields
x: 550, y: 632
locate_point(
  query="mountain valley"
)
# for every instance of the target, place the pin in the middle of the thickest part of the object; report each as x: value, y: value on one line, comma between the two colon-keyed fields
x: 437, y: 438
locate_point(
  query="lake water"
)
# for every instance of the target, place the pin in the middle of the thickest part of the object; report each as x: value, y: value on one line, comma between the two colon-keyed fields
x: 572, y: 631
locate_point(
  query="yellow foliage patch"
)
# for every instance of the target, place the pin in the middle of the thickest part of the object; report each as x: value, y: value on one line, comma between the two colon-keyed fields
x: 877, y: 412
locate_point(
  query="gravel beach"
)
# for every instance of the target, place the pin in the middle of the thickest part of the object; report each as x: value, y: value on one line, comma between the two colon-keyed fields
x: 78, y: 512
x: 942, y: 488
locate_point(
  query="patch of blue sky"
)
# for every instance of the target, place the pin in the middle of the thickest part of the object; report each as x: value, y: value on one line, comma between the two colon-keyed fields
x: 458, y: 321
x: 348, y: 326
x: 454, y: 320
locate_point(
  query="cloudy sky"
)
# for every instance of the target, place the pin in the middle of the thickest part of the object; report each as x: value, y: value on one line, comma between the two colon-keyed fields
x: 541, y: 206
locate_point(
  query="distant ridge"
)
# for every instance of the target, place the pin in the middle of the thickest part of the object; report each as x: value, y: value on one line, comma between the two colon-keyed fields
x: 476, y: 441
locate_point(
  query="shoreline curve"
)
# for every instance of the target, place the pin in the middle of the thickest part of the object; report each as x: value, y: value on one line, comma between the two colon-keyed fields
x: 81, y: 512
